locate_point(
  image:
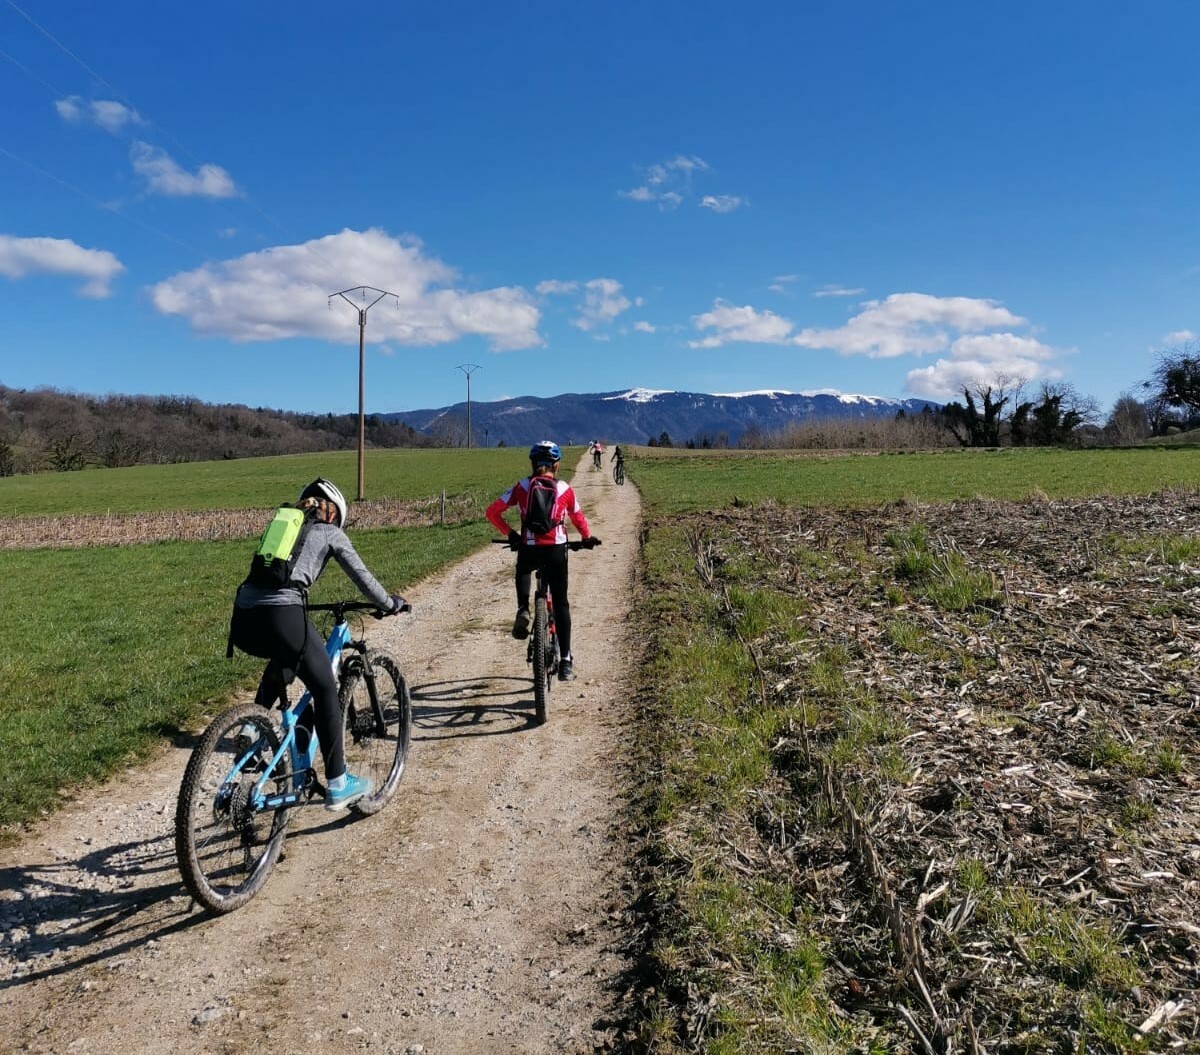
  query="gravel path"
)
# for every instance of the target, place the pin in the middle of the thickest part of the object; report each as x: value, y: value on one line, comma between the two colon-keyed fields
x: 480, y: 912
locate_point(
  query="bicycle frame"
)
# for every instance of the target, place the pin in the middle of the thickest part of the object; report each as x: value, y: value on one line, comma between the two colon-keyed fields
x: 301, y: 761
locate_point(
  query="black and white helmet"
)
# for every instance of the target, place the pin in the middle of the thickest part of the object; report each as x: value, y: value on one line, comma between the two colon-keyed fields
x: 326, y: 489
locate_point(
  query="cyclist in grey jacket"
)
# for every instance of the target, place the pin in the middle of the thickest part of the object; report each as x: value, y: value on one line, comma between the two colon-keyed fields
x: 273, y: 624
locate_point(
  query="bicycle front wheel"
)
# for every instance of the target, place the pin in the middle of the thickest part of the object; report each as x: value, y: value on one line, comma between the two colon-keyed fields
x: 225, y: 847
x: 378, y: 727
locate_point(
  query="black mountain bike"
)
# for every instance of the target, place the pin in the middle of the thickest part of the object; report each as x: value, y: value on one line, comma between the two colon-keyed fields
x: 542, y: 651
x: 619, y: 471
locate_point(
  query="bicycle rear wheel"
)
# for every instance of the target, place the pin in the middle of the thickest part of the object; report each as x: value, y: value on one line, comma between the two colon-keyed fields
x: 541, y: 666
x: 376, y: 737
x: 226, y: 849
x: 618, y: 473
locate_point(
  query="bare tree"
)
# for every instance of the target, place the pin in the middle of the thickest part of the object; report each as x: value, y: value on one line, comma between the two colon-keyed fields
x: 1054, y: 418
x: 979, y: 421
x: 1176, y: 381
x: 1128, y: 421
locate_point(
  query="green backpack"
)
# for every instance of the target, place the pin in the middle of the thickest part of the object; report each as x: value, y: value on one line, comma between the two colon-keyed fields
x: 271, y: 567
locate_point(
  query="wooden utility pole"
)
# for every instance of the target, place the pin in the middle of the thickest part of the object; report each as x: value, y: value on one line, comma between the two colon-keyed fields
x: 362, y: 292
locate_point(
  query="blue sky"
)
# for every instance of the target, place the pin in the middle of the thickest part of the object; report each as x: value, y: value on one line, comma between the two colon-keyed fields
x: 892, y: 199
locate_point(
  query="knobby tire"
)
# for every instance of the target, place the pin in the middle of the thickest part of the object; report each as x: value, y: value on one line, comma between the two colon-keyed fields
x: 541, y: 667
x: 376, y: 742
x: 225, y: 850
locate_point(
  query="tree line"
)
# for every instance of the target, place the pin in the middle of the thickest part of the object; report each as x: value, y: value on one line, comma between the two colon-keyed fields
x: 45, y: 429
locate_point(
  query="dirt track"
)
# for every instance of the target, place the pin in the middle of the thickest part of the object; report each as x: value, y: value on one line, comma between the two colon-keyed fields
x: 480, y: 912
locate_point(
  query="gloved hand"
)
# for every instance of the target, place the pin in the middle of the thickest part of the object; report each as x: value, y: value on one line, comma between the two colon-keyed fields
x: 591, y: 542
x: 399, y: 604
x: 514, y: 538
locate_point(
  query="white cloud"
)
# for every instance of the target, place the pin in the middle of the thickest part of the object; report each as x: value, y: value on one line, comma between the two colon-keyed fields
x: 903, y: 324
x: 283, y: 292
x: 108, y: 114
x: 838, y: 291
x: 553, y: 286
x: 981, y: 359
x: 1179, y: 337
x: 740, y: 324
x: 914, y: 324
x: 644, y: 327
x: 908, y: 324
x: 668, y: 184
x: 59, y: 256
x: 603, y: 301
x: 722, y: 202
x: 686, y: 165
x: 164, y: 176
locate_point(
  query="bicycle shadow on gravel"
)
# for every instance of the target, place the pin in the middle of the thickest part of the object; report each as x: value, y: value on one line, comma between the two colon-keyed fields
x: 97, y: 908
x: 70, y: 914
x: 444, y: 710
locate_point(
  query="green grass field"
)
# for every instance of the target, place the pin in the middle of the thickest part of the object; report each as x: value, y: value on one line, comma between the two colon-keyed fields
x: 677, y: 480
x: 117, y: 648
x: 259, y: 482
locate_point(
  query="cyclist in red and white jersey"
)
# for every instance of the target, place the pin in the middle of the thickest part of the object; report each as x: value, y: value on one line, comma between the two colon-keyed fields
x: 543, y: 545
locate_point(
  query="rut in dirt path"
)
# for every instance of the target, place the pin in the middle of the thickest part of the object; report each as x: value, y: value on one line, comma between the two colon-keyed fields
x: 480, y: 912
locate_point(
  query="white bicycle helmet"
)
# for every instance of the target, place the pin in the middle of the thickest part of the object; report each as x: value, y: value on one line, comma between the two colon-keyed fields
x: 322, y: 488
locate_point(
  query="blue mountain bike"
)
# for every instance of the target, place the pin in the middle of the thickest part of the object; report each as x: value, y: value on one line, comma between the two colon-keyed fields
x: 254, y: 765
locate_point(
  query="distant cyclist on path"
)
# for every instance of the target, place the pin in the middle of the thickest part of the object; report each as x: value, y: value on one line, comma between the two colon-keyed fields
x: 597, y: 449
x: 544, y: 503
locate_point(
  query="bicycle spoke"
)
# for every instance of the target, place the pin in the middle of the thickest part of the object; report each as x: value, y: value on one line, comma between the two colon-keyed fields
x: 378, y: 728
x: 226, y: 848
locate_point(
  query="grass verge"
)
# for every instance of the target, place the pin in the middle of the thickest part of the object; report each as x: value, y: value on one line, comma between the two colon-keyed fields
x: 883, y: 798
x: 113, y: 649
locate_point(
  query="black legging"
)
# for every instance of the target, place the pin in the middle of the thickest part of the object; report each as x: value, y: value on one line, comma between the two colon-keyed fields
x: 553, y: 561
x: 286, y: 636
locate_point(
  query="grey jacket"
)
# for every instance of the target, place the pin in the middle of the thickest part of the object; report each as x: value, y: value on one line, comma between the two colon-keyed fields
x: 321, y: 542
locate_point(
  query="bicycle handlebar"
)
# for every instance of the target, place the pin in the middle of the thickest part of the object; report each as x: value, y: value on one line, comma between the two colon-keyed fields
x: 340, y: 608
x: 572, y: 544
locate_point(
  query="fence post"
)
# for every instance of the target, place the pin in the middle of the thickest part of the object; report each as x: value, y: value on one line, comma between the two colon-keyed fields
x: 443, y: 508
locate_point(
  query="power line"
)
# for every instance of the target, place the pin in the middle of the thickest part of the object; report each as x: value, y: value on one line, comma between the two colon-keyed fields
x: 29, y: 73
x: 54, y: 40
x: 106, y: 206
x: 121, y: 97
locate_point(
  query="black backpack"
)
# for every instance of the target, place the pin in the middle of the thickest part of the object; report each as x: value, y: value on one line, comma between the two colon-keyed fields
x: 281, y: 542
x: 539, y: 512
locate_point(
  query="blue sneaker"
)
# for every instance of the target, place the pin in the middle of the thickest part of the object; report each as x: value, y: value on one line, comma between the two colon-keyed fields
x: 354, y: 789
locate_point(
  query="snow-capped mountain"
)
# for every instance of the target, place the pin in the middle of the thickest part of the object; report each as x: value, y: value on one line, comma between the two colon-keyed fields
x: 635, y: 415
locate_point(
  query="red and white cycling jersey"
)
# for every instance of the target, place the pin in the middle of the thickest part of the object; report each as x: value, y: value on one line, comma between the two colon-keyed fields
x: 565, y: 505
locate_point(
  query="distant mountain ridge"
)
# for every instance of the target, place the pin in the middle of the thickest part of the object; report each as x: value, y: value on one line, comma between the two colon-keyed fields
x: 635, y: 415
